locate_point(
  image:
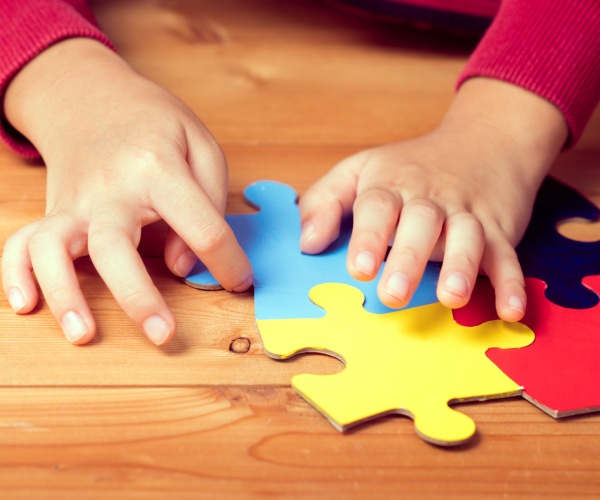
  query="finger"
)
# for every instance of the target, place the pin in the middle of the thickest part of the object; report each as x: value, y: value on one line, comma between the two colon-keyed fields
x: 376, y: 213
x: 464, y: 244
x: 501, y: 264
x: 179, y: 257
x: 324, y: 204
x: 113, y: 251
x: 184, y: 205
x: 207, y: 163
x: 418, y: 231
x: 17, y: 278
x: 49, y: 248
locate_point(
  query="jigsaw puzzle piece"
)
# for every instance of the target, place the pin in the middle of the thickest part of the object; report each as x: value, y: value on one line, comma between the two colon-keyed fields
x: 551, y: 257
x: 559, y: 371
x: 347, y: 400
x: 283, y: 275
x: 414, y: 362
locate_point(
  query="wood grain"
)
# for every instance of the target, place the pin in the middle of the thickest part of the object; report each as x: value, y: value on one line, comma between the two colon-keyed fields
x: 264, y: 441
x: 288, y: 89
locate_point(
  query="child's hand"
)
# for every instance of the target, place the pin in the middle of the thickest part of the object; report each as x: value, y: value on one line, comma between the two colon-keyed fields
x: 462, y: 194
x: 121, y: 153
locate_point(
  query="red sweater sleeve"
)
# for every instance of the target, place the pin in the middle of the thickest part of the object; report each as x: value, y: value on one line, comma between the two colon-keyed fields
x: 550, y: 48
x: 27, y: 27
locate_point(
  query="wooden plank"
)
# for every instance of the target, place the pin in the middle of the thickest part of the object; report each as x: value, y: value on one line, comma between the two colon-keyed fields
x: 254, y: 442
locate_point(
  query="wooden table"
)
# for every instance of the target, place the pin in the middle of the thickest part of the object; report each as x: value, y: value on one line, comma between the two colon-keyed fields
x: 288, y: 89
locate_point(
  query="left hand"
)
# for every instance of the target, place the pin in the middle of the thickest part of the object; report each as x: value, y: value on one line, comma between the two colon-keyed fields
x: 461, y: 194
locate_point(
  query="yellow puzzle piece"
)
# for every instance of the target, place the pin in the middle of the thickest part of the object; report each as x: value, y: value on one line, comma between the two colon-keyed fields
x: 414, y: 362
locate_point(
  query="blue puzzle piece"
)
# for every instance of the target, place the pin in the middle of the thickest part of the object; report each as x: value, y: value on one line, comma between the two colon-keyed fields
x: 283, y: 275
x: 558, y: 261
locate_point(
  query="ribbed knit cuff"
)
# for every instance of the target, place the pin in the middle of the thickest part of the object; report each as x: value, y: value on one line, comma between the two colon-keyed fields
x: 551, y: 48
x: 28, y: 27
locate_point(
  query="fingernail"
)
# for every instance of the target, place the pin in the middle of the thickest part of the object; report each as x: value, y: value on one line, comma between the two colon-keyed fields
x: 398, y: 286
x: 156, y: 329
x: 247, y: 283
x: 457, y: 284
x: 515, y: 302
x: 308, y: 232
x: 73, y: 326
x: 365, y: 263
x: 16, y: 299
x: 184, y: 263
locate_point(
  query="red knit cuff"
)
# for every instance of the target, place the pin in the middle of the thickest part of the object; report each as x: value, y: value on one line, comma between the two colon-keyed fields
x: 28, y: 27
x: 549, y: 48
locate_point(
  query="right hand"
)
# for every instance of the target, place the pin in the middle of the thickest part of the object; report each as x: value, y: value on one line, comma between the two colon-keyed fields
x: 121, y: 153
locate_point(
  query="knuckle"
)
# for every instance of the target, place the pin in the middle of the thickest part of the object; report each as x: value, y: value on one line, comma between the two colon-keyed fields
x: 464, y: 261
x: 501, y: 228
x: 147, y: 157
x: 503, y: 262
x: 425, y: 209
x: 212, y: 237
x: 322, y: 196
x: 412, y: 257
x: 40, y: 241
x: 467, y: 221
x: 25, y: 232
x: 150, y: 163
x: 512, y: 233
x: 101, y: 238
x: 51, y: 231
x: 133, y: 298
x: 378, y: 198
x: 15, y: 242
x: 501, y: 247
x: 58, y: 293
x: 213, y: 151
x: 510, y: 261
x: 516, y: 282
x: 373, y: 239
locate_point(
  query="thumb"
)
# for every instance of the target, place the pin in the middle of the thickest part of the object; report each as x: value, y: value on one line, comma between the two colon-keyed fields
x: 325, y: 203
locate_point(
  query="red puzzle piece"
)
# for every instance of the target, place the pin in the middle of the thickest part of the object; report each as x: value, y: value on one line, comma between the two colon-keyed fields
x: 559, y: 370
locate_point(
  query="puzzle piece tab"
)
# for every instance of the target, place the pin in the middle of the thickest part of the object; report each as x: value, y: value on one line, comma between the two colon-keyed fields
x: 559, y: 261
x: 559, y: 371
x: 413, y: 362
x: 283, y: 275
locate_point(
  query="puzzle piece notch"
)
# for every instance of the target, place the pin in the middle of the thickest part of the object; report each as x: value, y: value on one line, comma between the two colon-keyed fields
x: 558, y: 371
x: 395, y: 362
x: 283, y: 275
x: 560, y: 262
x: 578, y: 229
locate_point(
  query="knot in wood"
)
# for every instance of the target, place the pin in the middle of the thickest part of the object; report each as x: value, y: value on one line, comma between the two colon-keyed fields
x: 241, y: 345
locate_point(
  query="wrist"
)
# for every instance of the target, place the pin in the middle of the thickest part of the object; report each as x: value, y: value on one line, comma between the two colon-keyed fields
x: 45, y: 92
x: 519, y: 123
